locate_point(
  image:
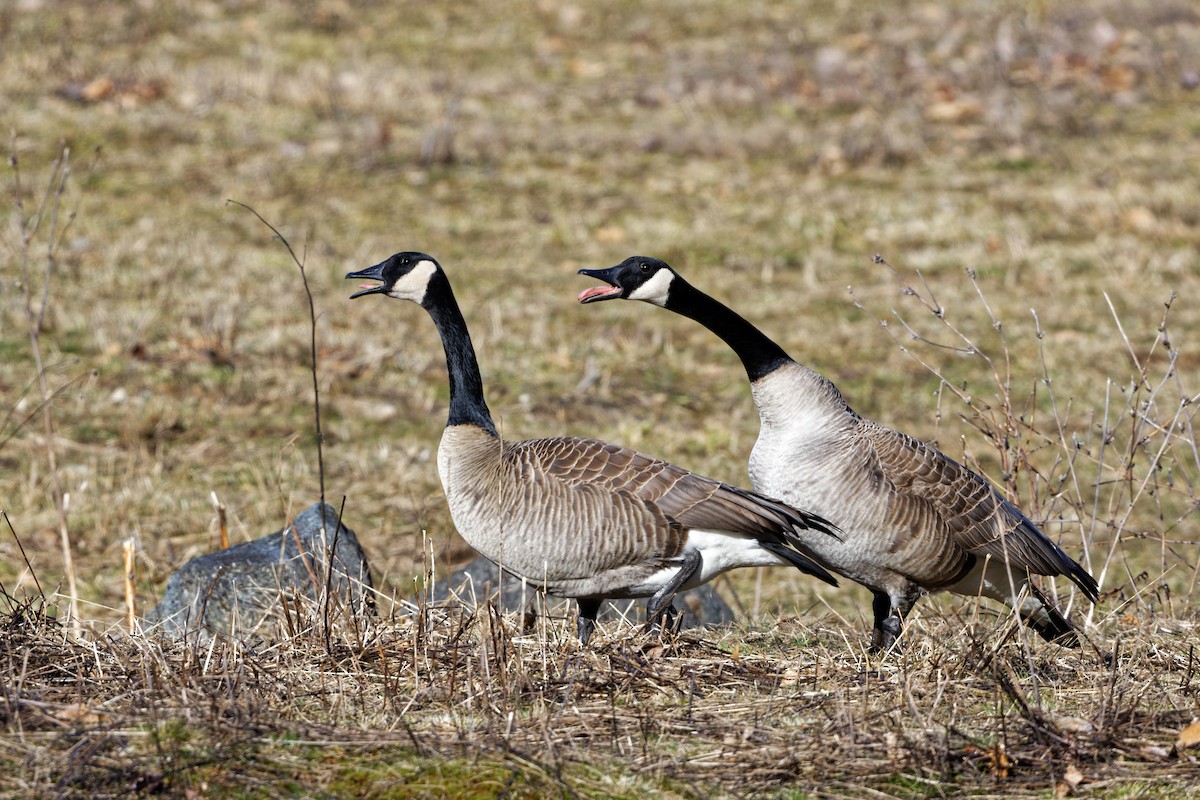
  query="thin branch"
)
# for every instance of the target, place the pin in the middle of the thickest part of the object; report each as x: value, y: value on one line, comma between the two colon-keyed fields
x: 312, y: 317
x: 36, y: 410
x: 1121, y: 330
x: 35, y: 317
x: 24, y: 557
x: 1140, y: 423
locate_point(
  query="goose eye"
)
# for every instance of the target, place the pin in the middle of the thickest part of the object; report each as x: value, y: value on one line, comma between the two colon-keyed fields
x: 644, y: 267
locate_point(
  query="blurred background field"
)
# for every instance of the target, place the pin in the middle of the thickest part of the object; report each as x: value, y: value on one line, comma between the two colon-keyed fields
x: 768, y: 150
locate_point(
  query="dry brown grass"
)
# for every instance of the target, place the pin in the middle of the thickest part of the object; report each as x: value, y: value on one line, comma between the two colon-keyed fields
x: 441, y: 704
x: 769, y: 152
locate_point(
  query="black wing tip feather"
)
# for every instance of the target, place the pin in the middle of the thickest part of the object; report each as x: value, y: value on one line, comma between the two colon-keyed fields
x: 819, y: 523
x: 797, y: 519
x: 1086, y: 583
x: 1068, y: 566
x: 800, y: 561
x: 807, y: 521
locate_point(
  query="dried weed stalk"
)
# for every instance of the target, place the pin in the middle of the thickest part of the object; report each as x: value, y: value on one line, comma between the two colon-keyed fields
x: 456, y: 700
x: 48, y: 224
x: 1121, y: 473
x: 434, y: 704
x: 320, y: 439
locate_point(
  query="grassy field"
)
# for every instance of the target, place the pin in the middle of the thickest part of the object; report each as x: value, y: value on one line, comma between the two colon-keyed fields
x: 1029, y: 171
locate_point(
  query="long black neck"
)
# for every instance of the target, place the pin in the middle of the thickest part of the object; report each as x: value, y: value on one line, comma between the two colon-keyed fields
x: 467, y: 405
x: 760, y: 356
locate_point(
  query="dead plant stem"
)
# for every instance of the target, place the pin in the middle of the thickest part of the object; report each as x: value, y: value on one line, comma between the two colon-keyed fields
x: 35, y: 316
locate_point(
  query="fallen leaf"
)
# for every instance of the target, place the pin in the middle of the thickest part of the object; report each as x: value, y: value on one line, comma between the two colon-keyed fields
x: 1069, y: 783
x: 996, y: 758
x: 67, y: 713
x: 1076, y: 725
x: 127, y: 94
x: 953, y: 111
x: 1139, y: 219
x: 609, y: 235
x: 1118, y: 79
x: 582, y: 68
x: 1153, y: 752
x: 97, y: 90
x: 1189, y: 736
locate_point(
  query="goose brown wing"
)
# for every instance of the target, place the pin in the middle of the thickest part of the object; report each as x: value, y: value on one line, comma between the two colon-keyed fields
x: 930, y: 486
x: 582, y: 527
x: 692, y: 500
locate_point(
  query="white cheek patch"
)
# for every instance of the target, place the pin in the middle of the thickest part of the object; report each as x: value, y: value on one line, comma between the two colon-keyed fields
x: 412, y: 286
x: 656, y: 290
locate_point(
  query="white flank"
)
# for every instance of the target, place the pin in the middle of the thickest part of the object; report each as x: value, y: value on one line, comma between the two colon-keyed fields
x: 722, y: 551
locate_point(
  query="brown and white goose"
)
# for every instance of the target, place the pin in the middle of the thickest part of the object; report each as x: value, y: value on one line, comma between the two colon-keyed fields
x: 582, y: 518
x: 912, y: 520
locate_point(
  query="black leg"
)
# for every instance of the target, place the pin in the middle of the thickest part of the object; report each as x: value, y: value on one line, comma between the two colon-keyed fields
x: 1049, y: 623
x: 888, y: 622
x: 661, y: 601
x: 529, y: 618
x: 586, y: 621
x: 672, y: 620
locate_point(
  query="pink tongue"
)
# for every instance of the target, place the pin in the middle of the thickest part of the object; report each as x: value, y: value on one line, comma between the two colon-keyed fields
x: 596, y: 291
x: 367, y: 285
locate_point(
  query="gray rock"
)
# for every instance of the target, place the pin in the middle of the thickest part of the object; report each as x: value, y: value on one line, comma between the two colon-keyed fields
x: 478, y: 581
x: 239, y: 591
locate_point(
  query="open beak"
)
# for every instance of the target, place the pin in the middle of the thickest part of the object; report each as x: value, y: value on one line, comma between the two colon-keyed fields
x: 597, y: 293
x: 374, y: 273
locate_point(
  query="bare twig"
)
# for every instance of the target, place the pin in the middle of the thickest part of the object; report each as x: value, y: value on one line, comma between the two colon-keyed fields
x: 222, y: 523
x: 1109, y: 473
x: 24, y: 556
x: 38, y: 409
x: 312, y: 313
x: 50, y: 208
x: 331, y: 545
x: 127, y: 549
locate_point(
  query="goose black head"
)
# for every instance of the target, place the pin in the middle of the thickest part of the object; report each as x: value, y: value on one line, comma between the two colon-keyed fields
x: 635, y: 278
x: 405, y: 276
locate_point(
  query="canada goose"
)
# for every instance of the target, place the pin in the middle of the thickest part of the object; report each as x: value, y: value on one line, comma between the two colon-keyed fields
x: 583, y: 518
x: 912, y: 519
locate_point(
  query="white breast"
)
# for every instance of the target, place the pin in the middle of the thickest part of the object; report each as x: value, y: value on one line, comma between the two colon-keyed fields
x: 805, y: 456
x: 804, y: 427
